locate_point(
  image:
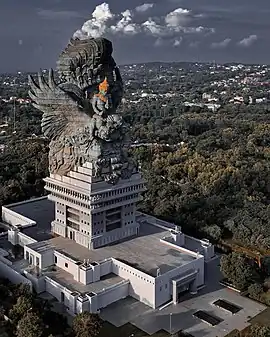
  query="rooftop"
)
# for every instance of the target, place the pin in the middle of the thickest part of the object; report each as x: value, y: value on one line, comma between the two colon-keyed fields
x: 40, y: 210
x: 144, y: 252
x: 67, y: 280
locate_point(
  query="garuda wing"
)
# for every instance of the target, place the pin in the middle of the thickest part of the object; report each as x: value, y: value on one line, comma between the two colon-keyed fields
x: 63, y: 111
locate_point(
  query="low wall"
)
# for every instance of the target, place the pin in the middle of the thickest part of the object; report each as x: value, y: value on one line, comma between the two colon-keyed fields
x: 19, y: 238
x: 181, y: 249
x: 25, y: 239
x: 11, y: 274
x: 15, y: 219
x: 113, y: 294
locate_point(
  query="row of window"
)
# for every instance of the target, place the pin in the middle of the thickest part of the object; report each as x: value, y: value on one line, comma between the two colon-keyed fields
x: 130, y: 213
x: 114, y: 201
x: 128, y: 205
x: 68, y: 191
x: 129, y: 222
x: 122, y: 190
x: 95, y: 233
x: 72, y: 201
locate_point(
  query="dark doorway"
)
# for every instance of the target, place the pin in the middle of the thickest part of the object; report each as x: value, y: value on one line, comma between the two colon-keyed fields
x: 182, y: 291
x: 62, y: 297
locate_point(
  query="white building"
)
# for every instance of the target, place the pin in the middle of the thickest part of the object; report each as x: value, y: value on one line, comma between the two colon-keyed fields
x: 88, y: 246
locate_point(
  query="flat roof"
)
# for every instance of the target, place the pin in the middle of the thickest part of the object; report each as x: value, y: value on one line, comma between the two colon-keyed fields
x: 41, y: 210
x: 144, y: 252
x: 67, y: 280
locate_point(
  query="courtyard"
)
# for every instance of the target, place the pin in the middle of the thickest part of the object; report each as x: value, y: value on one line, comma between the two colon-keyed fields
x: 180, y: 317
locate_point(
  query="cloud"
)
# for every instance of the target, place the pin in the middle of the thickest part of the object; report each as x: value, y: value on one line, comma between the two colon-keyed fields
x: 170, y: 26
x: 248, y: 41
x: 159, y: 42
x: 125, y: 25
x: 97, y: 25
x: 177, y: 42
x: 221, y: 44
x: 178, y: 17
x: 49, y: 14
x: 150, y: 26
x: 144, y: 7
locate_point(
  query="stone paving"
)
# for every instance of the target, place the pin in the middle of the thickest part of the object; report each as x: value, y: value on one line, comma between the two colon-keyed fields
x: 180, y: 317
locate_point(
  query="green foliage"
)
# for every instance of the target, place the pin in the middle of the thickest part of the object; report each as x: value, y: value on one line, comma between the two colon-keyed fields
x: 30, y: 325
x: 23, y: 305
x: 87, y: 325
x: 258, y: 331
x: 23, y: 165
x: 237, y: 269
x: 256, y: 291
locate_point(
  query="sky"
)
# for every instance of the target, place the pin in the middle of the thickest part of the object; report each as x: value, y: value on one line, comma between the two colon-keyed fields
x: 34, y: 32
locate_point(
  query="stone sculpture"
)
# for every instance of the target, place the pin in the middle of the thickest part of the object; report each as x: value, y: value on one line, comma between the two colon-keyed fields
x: 79, y: 112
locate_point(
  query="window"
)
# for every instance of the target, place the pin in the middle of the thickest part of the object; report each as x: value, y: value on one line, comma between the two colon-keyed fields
x: 66, y: 265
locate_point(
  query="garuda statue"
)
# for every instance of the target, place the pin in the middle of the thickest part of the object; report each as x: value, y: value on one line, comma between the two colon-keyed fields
x: 79, y: 111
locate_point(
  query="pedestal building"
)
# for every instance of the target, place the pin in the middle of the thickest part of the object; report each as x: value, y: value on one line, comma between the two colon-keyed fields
x: 91, y: 211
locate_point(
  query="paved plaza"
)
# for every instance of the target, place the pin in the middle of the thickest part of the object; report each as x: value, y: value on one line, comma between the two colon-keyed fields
x: 178, y: 317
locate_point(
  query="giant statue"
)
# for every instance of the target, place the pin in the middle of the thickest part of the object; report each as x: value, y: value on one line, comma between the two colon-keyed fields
x: 80, y: 111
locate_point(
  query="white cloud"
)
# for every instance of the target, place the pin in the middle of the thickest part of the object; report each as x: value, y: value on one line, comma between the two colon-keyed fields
x: 125, y: 25
x: 150, y: 26
x: 178, y: 17
x: 96, y: 26
x: 248, y: 41
x: 170, y: 26
x: 144, y: 7
x: 221, y: 44
x: 177, y: 42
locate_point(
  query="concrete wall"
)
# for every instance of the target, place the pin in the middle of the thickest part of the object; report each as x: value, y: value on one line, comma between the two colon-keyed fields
x: 32, y: 257
x: 37, y: 282
x: 142, y: 286
x: 68, y: 265
x: 62, y: 294
x: 17, y: 238
x: 14, y: 276
x: 163, y: 283
x: 59, y: 228
x: 47, y: 259
x: 113, y: 294
x: 16, y: 219
x: 106, y: 267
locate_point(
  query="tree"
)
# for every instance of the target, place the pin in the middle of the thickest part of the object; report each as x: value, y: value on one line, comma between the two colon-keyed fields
x: 29, y: 326
x: 256, y: 291
x: 59, y: 325
x: 258, y: 331
x: 87, y: 325
x: 23, y: 305
x: 236, y: 269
